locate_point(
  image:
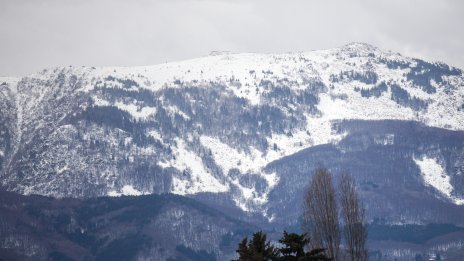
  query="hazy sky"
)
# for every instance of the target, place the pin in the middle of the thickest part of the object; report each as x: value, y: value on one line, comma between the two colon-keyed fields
x: 37, y: 34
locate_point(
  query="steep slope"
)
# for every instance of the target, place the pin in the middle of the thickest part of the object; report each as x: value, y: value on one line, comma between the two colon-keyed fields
x: 407, y: 173
x: 216, y: 124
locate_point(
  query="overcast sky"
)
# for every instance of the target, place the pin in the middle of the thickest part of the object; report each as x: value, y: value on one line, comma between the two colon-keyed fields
x: 38, y: 34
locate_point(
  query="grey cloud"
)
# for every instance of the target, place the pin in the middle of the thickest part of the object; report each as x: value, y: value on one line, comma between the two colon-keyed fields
x: 47, y: 33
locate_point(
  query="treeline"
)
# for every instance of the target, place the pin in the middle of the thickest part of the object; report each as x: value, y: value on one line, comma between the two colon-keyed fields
x: 292, y: 248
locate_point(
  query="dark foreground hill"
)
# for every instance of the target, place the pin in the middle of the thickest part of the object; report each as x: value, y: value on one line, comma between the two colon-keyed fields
x: 171, y: 227
x: 122, y: 228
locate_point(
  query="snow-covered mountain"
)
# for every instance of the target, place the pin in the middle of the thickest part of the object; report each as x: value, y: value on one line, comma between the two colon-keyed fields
x: 241, y: 128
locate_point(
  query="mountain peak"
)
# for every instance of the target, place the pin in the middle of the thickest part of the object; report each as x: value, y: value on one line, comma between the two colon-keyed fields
x: 360, y: 46
x: 217, y: 53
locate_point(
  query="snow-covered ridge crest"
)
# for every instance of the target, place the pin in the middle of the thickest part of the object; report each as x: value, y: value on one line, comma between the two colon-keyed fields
x: 365, y: 67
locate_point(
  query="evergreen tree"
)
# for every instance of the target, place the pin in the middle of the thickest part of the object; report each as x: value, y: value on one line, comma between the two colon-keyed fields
x: 293, y: 249
x: 258, y: 249
x: 243, y: 251
x: 294, y: 244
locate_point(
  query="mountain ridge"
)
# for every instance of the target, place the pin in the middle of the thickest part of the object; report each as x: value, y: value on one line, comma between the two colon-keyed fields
x: 210, y: 124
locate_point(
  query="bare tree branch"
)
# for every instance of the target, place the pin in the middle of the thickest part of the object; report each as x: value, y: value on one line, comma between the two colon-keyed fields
x: 321, y: 215
x: 353, y: 216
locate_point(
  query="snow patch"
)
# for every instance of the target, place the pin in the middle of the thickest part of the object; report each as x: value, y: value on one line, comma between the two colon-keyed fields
x: 127, y: 190
x: 195, y: 177
x: 63, y: 169
x: 435, y: 176
x: 173, y: 110
x: 321, y: 131
x: 228, y: 158
x: 251, y: 163
x: 387, y: 139
x: 138, y: 112
x: 155, y: 135
x: 100, y: 102
x: 318, y: 130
